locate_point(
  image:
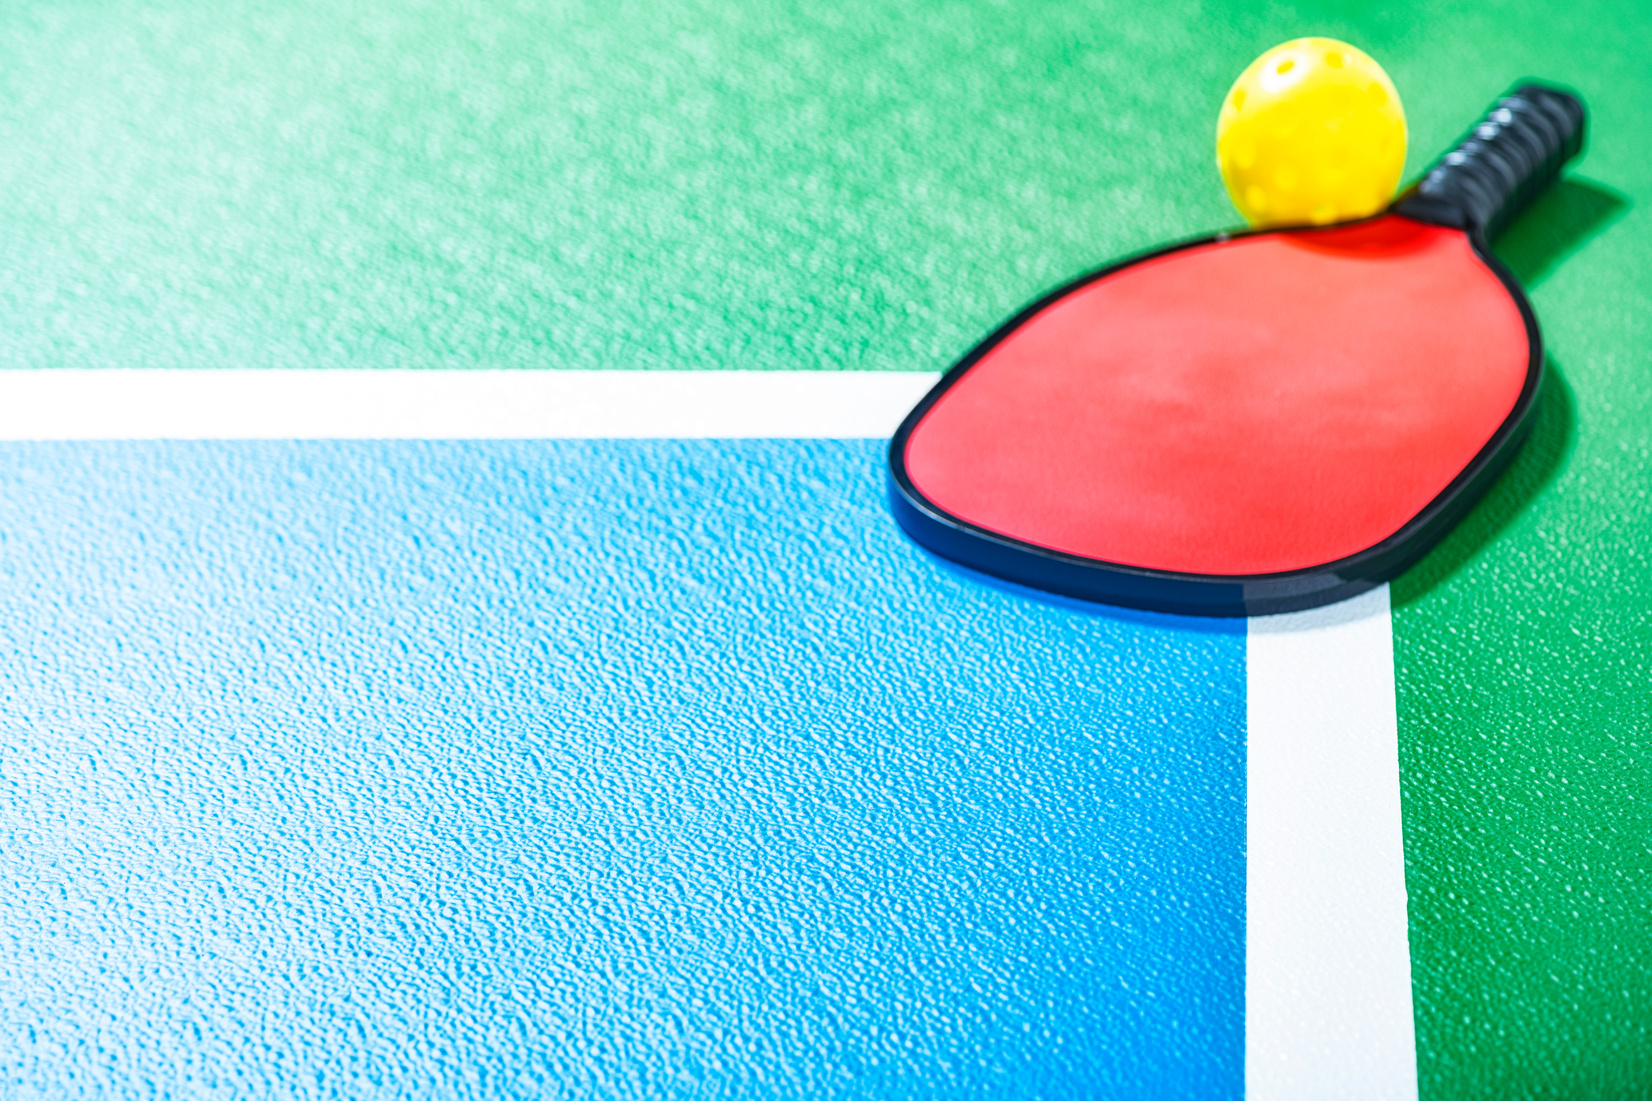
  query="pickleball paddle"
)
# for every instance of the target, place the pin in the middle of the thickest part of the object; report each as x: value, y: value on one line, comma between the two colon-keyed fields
x: 1251, y: 422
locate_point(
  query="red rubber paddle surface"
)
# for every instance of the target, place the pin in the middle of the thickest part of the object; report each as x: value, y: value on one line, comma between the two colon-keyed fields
x: 1253, y: 406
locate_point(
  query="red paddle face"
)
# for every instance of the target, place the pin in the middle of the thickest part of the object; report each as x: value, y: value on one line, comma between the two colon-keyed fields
x: 1259, y: 405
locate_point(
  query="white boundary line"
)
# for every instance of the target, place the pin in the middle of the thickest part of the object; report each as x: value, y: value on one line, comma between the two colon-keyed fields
x: 120, y: 404
x: 1327, y: 964
x: 1327, y: 955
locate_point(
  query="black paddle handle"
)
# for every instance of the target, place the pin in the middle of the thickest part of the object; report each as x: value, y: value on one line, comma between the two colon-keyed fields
x: 1500, y: 166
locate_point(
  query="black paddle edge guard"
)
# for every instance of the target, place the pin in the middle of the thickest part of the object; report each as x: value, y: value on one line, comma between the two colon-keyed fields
x: 1506, y: 160
x: 1509, y: 158
x: 1213, y: 595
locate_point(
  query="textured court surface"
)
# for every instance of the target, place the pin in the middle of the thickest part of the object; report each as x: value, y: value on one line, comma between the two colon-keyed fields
x: 765, y: 185
x: 567, y: 769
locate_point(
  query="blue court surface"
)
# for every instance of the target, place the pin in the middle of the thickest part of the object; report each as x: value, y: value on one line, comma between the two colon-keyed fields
x: 638, y: 768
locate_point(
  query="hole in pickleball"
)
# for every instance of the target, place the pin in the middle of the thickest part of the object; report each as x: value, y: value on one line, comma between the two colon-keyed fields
x: 1285, y: 66
x: 1334, y: 60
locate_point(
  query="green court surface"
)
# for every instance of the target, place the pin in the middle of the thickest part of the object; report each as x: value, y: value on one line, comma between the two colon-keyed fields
x: 853, y: 186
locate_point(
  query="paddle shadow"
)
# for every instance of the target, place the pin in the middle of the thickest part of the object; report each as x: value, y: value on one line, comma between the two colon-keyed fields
x: 1535, y: 467
x: 1568, y: 216
x: 1558, y: 225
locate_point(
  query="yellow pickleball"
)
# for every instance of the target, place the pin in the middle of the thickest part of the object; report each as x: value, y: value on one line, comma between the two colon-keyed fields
x: 1311, y: 133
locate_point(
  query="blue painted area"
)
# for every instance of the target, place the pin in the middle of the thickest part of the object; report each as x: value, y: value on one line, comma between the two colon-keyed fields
x: 614, y: 769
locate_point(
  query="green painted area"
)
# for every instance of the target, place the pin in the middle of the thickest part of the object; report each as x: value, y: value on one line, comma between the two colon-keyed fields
x: 1523, y: 647
x: 1523, y: 650
x: 759, y: 184
x: 398, y: 183
x: 564, y: 183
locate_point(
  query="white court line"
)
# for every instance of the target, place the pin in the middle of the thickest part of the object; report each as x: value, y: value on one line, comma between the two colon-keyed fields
x: 1328, y: 991
x: 118, y: 404
x: 1327, y: 957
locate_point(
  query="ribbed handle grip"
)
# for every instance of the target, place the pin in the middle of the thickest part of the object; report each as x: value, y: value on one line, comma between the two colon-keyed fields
x: 1501, y: 165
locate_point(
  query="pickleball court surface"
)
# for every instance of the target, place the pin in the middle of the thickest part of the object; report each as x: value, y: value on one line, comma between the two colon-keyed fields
x: 591, y: 768
x: 665, y: 766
